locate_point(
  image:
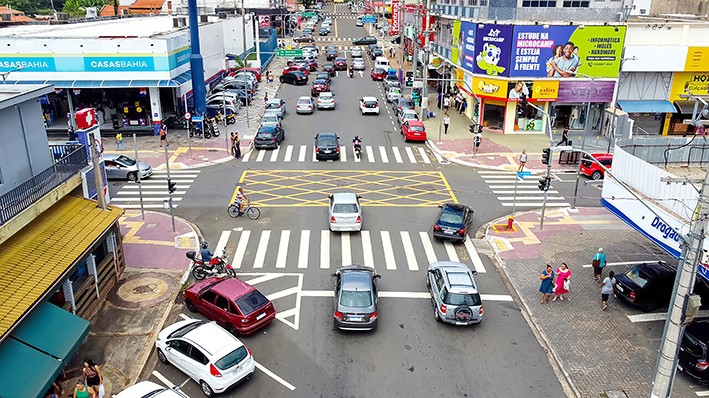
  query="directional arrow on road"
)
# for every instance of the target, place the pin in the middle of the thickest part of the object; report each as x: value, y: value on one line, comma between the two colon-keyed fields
x: 294, y: 283
x: 361, y: 73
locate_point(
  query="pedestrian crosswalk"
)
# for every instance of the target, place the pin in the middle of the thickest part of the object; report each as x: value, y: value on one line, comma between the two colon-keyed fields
x: 154, y: 190
x: 370, y: 154
x: 322, y: 249
x: 334, y: 38
x: 502, y: 183
x: 340, y: 15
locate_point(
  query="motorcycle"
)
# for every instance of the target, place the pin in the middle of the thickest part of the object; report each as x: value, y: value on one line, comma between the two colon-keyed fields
x: 358, y: 151
x: 351, y: 72
x: 217, y: 266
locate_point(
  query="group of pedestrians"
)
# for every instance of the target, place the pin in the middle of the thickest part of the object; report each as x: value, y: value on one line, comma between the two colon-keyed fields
x: 557, y: 283
x: 89, y: 385
x: 235, y: 145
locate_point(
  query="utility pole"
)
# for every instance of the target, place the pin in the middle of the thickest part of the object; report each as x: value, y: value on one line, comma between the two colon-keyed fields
x: 170, y: 186
x: 137, y: 177
x: 243, y: 35
x: 426, y: 60
x: 414, y: 43
x: 98, y: 178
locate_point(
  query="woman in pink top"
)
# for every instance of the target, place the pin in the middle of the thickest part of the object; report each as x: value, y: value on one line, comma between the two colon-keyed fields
x: 563, y: 279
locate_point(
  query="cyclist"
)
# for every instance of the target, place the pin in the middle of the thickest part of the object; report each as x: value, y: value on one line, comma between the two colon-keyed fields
x: 240, y: 199
x: 205, y: 253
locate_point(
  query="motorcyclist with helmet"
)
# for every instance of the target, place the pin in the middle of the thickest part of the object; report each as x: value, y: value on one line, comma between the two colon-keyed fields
x: 357, y: 143
x: 205, y: 253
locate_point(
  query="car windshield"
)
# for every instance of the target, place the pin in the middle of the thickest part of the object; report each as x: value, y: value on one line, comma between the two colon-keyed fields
x: 406, y: 103
x: 451, y: 216
x: 232, y: 359
x: 359, y: 298
x: 345, y: 208
x: 273, y: 105
x: 264, y: 134
x: 462, y: 299
x: 303, y: 102
x: 185, y: 329
x: 638, y: 277
x: 410, y: 115
x: 395, y: 91
x: 379, y: 71
x: 251, y: 302
x: 270, y: 119
x: 320, y: 82
x: 370, y: 104
x: 125, y: 160
x: 325, y: 97
x: 417, y: 128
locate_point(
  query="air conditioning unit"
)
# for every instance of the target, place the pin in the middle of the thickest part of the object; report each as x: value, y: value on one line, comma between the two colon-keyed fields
x: 179, y: 22
x: 62, y: 16
x: 204, y: 18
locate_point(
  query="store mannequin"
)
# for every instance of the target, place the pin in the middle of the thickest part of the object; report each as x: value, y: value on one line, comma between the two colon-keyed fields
x: 573, y: 119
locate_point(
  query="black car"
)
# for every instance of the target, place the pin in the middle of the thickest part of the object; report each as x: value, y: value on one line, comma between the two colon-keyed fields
x: 364, y: 40
x: 307, y: 32
x: 694, y: 351
x: 376, y: 52
x: 327, y: 146
x: 453, y: 222
x: 324, y: 32
x: 295, y: 78
x: 329, y: 68
x: 269, y: 137
x: 646, y: 286
x: 304, y: 39
x: 356, y: 297
x: 331, y: 55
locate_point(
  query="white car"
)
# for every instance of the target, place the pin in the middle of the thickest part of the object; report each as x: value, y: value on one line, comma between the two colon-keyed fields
x: 344, y: 212
x: 393, y: 93
x: 369, y: 105
x: 271, y: 119
x: 407, y: 114
x: 304, y: 105
x: 148, y: 389
x: 326, y: 100
x: 358, y: 64
x: 356, y: 52
x: 207, y: 353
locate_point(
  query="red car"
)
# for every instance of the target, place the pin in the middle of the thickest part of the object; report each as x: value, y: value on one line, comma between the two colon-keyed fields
x: 255, y: 71
x: 311, y: 65
x: 413, y: 130
x: 230, y: 302
x: 329, y: 68
x: 340, y: 63
x: 592, y: 169
x: 319, y: 86
x: 378, y: 74
x: 297, y: 68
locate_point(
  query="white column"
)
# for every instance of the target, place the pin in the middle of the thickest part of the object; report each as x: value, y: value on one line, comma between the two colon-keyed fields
x: 155, y: 108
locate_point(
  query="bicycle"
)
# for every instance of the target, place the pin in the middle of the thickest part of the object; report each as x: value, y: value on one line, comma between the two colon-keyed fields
x: 252, y: 212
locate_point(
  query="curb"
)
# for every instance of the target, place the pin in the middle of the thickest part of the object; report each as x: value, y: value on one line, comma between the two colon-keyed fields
x: 562, y: 375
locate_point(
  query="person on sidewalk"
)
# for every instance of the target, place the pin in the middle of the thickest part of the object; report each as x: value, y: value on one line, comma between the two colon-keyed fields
x: 598, y: 262
x: 463, y: 106
x: 237, y: 146
x: 522, y: 161
x: 440, y: 99
x: 265, y: 98
x: 547, y: 286
x: 446, y: 102
x: 233, y: 144
x: 92, y: 372
x: 477, y: 140
x: 564, y: 137
x: 119, y: 142
x: 81, y: 391
x: 607, y: 289
x: 563, y: 282
x: 446, y: 123
x: 163, y: 135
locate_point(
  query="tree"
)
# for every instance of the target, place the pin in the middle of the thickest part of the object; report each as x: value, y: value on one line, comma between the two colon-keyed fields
x: 77, y: 8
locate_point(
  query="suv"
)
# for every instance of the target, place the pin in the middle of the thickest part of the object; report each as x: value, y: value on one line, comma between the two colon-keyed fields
x: 454, y: 293
x: 694, y: 351
x: 592, y: 169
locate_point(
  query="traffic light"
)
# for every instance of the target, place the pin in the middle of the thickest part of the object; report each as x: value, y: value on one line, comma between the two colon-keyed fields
x: 546, y: 156
x: 409, y: 78
x: 544, y: 183
x: 171, y: 186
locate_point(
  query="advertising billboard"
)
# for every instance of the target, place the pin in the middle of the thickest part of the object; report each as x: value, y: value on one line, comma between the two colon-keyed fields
x: 466, y: 51
x: 688, y: 82
x: 455, y: 44
x: 562, y: 51
x: 493, y: 45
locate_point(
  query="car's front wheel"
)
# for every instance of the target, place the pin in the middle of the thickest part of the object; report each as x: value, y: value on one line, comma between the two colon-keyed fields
x: 132, y: 176
x: 162, y: 357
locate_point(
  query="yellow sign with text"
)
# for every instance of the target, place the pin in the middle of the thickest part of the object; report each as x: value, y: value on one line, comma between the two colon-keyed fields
x: 545, y: 90
x: 689, y: 83
x: 697, y: 59
x: 490, y: 87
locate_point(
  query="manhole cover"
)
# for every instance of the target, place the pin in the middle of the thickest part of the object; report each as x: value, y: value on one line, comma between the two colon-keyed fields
x: 142, y: 290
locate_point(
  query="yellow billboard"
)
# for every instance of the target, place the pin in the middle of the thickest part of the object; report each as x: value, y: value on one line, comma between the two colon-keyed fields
x: 697, y: 59
x: 689, y: 82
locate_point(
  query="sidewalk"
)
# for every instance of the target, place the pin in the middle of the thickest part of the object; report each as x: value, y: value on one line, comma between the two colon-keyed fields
x: 123, y: 332
x: 597, y: 351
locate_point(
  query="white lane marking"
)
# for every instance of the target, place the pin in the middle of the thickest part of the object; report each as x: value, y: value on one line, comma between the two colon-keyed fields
x: 409, y: 251
x: 274, y: 154
x: 283, y: 293
x: 221, y: 243
x: 304, y: 247
x: 367, y: 248
x: 438, y: 157
x: 413, y: 295
x: 428, y: 247
x: 346, y: 248
x: 388, y: 251
x: 289, y: 153
x: 536, y: 197
x: 192, y: 171
x: 241, y: 248
x: 383, y: 154
x: 702, y: 393
x: 520, y: 192
x: 163, y: 379
x: 343, y: 153
x: 325, y: 249
x: 130, y: 199
x: 283, y: 249
x: 370, y: 154
x: 315, y: 159
x: 474, y: 257
x: 245, y: 156
x: 260, y: 156
x: 147, y: 193
x: 496, y: 297
x: 261, y: 249
x: 274, y: 376
x: 540, y: 204
x: 301, y: 154
x: 659, y: 316
x: 147, y: 206
x: 621, y: 263
x: 410, y: 154
x: 450, y: 250
x: 520, y: 186
x: 262, y: 278
x: 397, y: 155
x: 423, y: 155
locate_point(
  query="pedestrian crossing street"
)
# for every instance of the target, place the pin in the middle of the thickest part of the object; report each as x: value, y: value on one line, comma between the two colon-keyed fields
x: 322, y: 249
x: 502, y: 183
x: 370, y: 154
x: 154, y: 190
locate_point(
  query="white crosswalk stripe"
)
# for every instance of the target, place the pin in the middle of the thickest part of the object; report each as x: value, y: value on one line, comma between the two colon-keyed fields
x: 371, y: 154
x: 275, y: 250
x: 502, y: 184
x: 154, y: 189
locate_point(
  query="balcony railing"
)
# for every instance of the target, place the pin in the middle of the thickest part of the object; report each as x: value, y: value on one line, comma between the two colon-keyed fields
x: 68, y: 160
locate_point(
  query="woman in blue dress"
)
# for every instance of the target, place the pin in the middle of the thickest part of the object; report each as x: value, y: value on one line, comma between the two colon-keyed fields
x: 547, y: 286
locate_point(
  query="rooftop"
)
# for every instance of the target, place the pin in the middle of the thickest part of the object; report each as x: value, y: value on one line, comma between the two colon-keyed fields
x: 13, y: 94
x: 136, y: 27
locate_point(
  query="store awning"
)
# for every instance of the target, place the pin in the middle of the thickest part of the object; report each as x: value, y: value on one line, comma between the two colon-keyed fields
x: 652, y: 106
x: 687, y: 107
x: 27, y: 372
x: 174, y: 82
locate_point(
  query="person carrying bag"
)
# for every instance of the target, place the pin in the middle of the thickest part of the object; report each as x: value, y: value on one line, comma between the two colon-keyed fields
x: 599, y: 261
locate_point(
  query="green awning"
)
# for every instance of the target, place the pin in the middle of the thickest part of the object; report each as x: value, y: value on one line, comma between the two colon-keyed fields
x: 26, y: 371
x: 52, y: 330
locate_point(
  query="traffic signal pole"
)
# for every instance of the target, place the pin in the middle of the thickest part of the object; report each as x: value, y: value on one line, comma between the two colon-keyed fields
x: 170, y: 186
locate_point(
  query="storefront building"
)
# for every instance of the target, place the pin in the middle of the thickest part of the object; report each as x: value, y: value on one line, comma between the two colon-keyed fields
x: 687, y: 83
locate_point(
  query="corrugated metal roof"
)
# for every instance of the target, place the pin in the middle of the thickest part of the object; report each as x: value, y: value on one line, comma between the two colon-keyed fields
x: 34, y: 259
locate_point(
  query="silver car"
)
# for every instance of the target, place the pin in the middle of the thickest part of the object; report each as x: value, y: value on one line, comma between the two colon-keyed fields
x: 356, y: 298
x: 358, y: 64
x: 326, y: 100
x: 454, y: 293
x: 407, y: 114
x: 276, y: 105
x: 344, y: 212
x: 271, y: 119
x: 304, y: 105
x: 356, y: 52
x: 125, y: 168
x: 393, y: 93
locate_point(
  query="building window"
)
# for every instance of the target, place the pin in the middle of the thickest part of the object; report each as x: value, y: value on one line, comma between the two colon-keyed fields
x: 483, y: 3
x: 576, y: 3
x: 472, y: 3
x: 539, y: 3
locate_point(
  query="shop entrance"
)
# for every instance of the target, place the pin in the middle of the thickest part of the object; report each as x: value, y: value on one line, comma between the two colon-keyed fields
x: 493, y: 116
x: 574, y: 116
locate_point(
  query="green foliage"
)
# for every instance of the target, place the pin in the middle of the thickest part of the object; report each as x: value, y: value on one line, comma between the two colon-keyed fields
x: 77, y: 8
x: 29, y: 7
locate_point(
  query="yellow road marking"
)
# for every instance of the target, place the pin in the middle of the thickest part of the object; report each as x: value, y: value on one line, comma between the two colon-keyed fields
x: 133, y: 227
x: 177, y: 153
x: 448, y: 187
x: 241, y: 181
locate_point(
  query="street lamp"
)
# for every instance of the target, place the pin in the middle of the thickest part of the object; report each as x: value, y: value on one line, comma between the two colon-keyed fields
x: 5, y: 74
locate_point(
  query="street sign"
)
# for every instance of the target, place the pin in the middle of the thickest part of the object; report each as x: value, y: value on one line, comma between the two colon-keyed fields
x: 369, y: 19
x: 197, y: 119
x: 289, y: 53
x: 307, y: 14
x: 187, y: 116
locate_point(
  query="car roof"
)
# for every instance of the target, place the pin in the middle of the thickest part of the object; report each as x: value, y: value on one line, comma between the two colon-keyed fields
x: 344, y: 197
x: 326, y: 93
x: 699, y: 330
x: 602, y: 155
x: 457, y: 275
x: 454, y: 206
x: 304, y: 98
x: 326, y: 135
x: 379, y: 70
x: 369, y: 98
x: 212, y: 338
x: 274, y: 101
x: 655, y: 269
x: 356, y: 279
x: 233, y: 287
x: 415, y: 122
x: 266, y: 128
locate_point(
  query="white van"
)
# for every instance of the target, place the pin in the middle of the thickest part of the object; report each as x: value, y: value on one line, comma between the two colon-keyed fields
x: 381, y: 62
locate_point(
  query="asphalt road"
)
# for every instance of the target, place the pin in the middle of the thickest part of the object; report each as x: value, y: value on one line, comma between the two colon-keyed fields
x: 289, y: 255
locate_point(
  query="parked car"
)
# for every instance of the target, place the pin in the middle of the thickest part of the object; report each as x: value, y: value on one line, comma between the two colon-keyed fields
x: 413, y: 130
x: 391, y: 81
x: 327, y: 146
x: 269, y: 136
x: 271, y: 119
x: 393, y: 93
x: 454, y: 293
x: 364, y: 40
x: 356, y: 298
x: 304, y: 105
x: 646, y: 286
x: 319, y: 86
x: 312, y: 66
x: 407, y: 114
x: 148, y: 389
x: 255, y: 71
x: 402, y: 103
x: 368, y: 105
x: 124, y: 167
x: 205, y: 352
x: 452, y: 222
x: 376, y: 52
x: 232, y: 303
x: 693, y: 357
x: 276, y: 105
x: 344, y: 212
x: 326, y: 100
x: 295, y: 78
x: 592, y: 169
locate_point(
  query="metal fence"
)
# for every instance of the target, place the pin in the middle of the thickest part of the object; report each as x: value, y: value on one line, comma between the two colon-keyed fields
x: 666, y: 151
x: 24, y: 195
